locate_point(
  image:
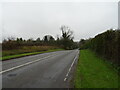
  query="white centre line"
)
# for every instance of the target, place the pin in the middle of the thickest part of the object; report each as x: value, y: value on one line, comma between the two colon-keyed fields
x: 25, y: 64
x: 70, y: 67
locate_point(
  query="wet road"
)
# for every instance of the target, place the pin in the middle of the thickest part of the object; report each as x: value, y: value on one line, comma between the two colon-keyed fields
x: 48, y: 70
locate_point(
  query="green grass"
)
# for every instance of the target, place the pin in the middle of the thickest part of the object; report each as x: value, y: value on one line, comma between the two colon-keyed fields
x: 27, y: 54
x: 93, y: 72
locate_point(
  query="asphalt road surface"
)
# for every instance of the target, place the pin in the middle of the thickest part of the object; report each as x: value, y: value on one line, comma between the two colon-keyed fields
x: 48, y: 70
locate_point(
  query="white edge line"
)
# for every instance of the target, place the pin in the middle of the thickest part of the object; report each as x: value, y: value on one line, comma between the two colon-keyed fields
x: 23, y: 65
x: 70, y: 67
x: 65, y: 79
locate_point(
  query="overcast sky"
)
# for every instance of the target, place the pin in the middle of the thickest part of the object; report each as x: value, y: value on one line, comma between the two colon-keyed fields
x: 37, y: 19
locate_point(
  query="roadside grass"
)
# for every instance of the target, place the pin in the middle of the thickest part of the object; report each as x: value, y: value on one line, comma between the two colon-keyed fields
x: 26, y: 54
x: 93, y: 72
x: 27, y: 49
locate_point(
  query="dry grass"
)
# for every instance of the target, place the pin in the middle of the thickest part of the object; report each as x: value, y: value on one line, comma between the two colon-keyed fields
x: 27, y: 49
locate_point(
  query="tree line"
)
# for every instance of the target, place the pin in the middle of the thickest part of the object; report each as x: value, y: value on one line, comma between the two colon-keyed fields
x: 65, y: 41
x: 106, y: 44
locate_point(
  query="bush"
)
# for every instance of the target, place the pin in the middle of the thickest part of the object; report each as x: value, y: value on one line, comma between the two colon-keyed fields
x: 106, y: 44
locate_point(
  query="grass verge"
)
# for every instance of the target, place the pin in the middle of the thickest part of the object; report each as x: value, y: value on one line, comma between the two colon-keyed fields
x: 93, y: 72
x: 26, y: 54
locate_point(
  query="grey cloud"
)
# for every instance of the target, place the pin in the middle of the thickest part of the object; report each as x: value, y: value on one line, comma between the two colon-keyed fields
x: 34, y: 20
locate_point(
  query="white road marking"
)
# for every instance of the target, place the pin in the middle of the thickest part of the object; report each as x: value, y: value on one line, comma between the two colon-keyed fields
x: 24, y: 64
x: 66, y: 74
x: 70, y: 67
x: 65, y: 79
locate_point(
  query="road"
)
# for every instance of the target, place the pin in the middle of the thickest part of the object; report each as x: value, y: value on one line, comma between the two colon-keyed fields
x: 48, y: 70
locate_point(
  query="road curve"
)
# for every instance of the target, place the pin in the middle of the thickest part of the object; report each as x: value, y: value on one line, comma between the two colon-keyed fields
x: 48, y: 70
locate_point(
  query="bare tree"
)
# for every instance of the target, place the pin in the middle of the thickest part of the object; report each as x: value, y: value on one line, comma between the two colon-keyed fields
x: 67, y: 37
x: 67, y: 33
